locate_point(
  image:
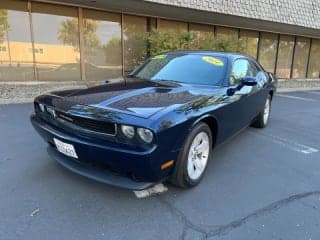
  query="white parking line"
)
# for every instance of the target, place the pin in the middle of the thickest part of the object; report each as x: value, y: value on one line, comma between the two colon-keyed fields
x: 296, y: 98
x: 157, y: 189
x: 297, y: 147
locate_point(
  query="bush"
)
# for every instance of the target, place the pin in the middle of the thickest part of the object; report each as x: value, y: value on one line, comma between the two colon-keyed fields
x: 165, y: 41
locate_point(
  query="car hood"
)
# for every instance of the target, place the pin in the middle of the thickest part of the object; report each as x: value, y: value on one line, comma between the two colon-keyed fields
x: 136, y: 97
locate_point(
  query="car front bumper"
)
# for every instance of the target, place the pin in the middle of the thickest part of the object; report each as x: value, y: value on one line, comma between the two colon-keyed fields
x: 104, y: 162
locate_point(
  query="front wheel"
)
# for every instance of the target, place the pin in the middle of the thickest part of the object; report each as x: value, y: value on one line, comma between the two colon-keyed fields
x: 193, y: 157
x: 263, y: 117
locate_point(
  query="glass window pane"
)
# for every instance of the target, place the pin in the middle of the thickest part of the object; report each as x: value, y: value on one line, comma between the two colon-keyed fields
x: 135, y: 47
x: 56, y: 44
x: 285, y: 56
x: 167, y: 25
x: 268, y: 51
x: 301, y: 57
x: 249, y: 41
x: 204, y: 35
x: 314, y: 62
x: 226, y: 33
x: 229, y: 36
x: 102, y: 45
x: 16, y: 58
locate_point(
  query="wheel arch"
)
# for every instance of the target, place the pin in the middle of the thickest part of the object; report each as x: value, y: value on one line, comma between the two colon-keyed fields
x: 212, y: 122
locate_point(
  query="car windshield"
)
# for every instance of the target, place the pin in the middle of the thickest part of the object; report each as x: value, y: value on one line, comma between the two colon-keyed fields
x: 183, y: 68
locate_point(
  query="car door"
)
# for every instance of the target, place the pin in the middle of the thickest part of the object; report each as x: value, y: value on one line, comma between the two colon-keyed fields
x: 237, y: 111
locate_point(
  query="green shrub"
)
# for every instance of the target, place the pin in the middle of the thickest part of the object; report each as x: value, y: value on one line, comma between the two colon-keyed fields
x: 165, y: 41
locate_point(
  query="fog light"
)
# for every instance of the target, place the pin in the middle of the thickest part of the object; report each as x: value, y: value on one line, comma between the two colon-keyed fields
x: 128, y: 131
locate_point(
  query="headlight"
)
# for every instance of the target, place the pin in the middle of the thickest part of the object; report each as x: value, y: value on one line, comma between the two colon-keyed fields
x: 145, y: 134
x: 42, y: 108
x: 128, y: 131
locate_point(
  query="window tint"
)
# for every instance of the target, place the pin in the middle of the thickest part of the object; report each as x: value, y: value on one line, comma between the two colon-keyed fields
x: 184, y: 68
x: 240, y: 69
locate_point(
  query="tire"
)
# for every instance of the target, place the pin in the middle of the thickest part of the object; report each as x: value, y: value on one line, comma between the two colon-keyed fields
x: 263, y: 118
x: 189, y: 159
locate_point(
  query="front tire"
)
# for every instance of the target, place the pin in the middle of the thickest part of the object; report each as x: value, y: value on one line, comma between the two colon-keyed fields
x: 193, y: 157
x: 263, y: 117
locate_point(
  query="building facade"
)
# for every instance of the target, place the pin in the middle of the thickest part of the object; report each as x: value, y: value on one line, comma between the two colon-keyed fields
x: 78, y: 40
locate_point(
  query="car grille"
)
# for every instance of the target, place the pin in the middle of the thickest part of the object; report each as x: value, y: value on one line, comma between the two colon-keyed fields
x: 92, y: 125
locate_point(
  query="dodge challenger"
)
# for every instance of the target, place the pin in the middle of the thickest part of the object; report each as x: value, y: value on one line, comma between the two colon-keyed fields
x: 159, y: 123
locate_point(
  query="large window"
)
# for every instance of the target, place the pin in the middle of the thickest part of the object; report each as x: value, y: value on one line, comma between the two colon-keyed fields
x: 102, y: 45
x: 56, y: 42
x: 314, y: 61
x: 301, y: 57
x: 268, y: 51
x: 16, y: 58
x: 135, y: 47
x: 56, y: 51
x: 249, y: 40
x: 285, y: 54
x: 204, y: 35
x: 229, y: 36
x: 172, y: 26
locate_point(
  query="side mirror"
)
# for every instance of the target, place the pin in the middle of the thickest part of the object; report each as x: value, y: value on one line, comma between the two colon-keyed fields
x: 249, y: 81
x: 246, y: 81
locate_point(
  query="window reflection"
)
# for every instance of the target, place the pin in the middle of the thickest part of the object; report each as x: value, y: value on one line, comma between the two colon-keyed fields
x: 301, y: 58
x: 102, y: 45
x: 172, y: 26
x: 16, y: 58
x: 268, y: 51
x: 229, y: 36
x: 249, y: 40
x: 285, y: 54
x: 135, y: 47
x: 314, y: 63
x: 56, y: 46
x: 203, y: 35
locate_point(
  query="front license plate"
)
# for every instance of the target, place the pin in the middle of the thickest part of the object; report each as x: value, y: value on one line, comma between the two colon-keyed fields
x: 65, y: 148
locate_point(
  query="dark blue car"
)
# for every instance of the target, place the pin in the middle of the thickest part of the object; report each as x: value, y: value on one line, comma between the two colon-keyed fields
x: 159, y: 123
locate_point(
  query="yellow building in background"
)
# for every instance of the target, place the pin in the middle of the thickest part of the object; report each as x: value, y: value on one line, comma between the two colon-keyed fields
x: 48, y: 55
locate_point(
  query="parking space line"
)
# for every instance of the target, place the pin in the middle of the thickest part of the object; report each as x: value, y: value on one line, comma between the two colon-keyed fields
x: 297, y: 147
x: 157, y: 189
x: 296, y: 98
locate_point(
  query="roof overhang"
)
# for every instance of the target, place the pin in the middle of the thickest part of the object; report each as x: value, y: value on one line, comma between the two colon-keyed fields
x: 141, y: 7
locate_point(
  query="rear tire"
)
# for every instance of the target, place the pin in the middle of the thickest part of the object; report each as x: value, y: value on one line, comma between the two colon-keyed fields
x: 263, y: 117
x: 193, y: 157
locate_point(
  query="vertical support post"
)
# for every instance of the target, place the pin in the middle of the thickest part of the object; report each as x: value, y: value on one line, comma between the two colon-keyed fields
x: 293, y: 55
x: 277, y: 52
x: 148, y: 32
x: 308, y: 61
x: 35, y: 71
x: 259, y: 43
x: 122, y: 47
x: 81, y: 45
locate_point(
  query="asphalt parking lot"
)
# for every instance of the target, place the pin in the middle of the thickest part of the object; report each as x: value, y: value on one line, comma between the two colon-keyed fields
x: 262, y: 184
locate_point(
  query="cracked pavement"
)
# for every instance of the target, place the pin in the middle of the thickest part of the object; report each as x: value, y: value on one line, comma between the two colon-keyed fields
x: 262, y: 184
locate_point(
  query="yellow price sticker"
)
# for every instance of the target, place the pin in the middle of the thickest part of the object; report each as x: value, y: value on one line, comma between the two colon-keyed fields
x: 162, y: 56
x: 212, y: 60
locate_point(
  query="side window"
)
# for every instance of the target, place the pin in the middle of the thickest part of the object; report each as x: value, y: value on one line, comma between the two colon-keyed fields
x: 254, y: 69
x: 240, y: 69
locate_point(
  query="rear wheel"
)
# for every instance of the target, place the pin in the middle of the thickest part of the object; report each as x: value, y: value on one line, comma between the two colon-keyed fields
x: 263, y: 117
x: 193, y: 157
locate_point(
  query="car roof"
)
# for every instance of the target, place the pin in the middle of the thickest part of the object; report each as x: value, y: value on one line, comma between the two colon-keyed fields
x: 229, y: 55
